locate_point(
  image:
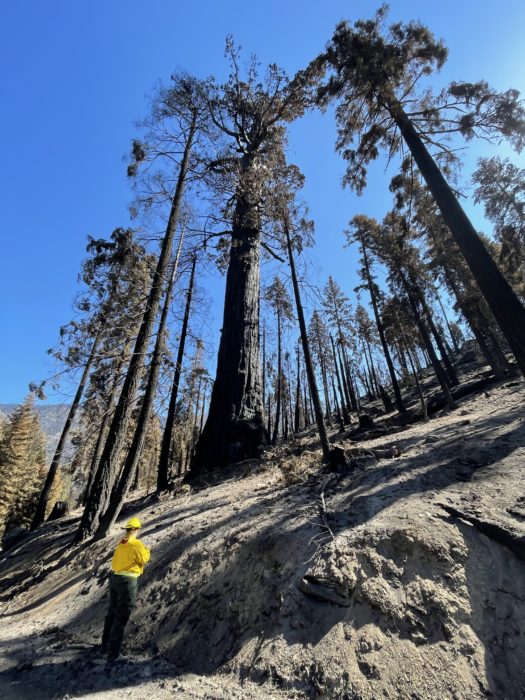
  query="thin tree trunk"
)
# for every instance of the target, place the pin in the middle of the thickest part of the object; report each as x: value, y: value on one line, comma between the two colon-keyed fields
x: 346, y: 416
x: 365, y: 380
x: 438, y: 369
x: 106, y: 420
x: 307, y: 414
x: 310, y: 374
x: 279, y: 380
x: 371, y: 288
x: 45, y: 494
x: 264, y: 366
x: 299, y: 413
x: 163, y: 474
x: 202, y: 410
x: 453, y: 377
x: 336, y: 402
x: 372, y: 369
x: 130, y: 467
x: 503, y: 302
x: 498, y: 363
x: 418, y: 385
x: 344, y: 378
x: 449, y: 328
x: 106, y: 471
x: 354, y: 398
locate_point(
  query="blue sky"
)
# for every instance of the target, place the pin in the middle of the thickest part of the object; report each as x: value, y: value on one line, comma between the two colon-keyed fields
x: 74, y: 78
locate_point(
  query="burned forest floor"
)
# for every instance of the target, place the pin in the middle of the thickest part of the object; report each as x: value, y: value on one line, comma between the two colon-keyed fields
x: 400, y: 577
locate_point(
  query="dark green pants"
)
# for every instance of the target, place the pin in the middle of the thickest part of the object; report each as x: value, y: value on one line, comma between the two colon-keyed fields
x: 122, y: 597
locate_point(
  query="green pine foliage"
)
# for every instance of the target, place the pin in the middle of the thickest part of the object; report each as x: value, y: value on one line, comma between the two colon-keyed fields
x: 22, y: 467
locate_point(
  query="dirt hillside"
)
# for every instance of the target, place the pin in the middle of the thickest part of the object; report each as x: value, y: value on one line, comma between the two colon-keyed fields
x: 402, y: 578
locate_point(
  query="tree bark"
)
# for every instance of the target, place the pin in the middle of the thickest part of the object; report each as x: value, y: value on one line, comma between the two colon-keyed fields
x: 503, y: 302
x: 310, y: 374
x: 380, y: 329
x: 45, y: 494
x: 106, y: 419
x: 451, y: 372
x: 452, y: 338
x: 438, y: 369
x: 299, y: 412
x: 339, y: 416
x: 346, y: 416
x: 130, y: 467
x: 496, y: 361
x: 279, y: 380
x: 235, y: 429
x: 106, y: 471
x: 163, y: 472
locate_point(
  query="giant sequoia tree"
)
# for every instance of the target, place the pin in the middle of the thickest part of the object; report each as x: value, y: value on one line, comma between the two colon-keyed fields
x: 375, y: 73
x: 251, y: 113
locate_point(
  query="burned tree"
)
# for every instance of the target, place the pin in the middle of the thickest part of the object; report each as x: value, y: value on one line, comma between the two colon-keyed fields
x: 251, y: 115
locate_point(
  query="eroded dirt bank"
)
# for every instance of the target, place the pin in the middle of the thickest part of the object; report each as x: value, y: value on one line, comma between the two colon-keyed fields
x: 254, y: 592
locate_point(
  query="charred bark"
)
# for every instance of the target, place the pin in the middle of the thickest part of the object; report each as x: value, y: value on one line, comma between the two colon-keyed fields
x: 235, y: 429
x: 130, y: 467
x: 503, y: 302
x: 163, y: 473
x: 45, y: 494
x: 310, y: 374
x: 107, y: 468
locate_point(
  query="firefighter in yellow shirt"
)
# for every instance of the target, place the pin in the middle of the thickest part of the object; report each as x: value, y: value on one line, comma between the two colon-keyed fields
x: 127, y: 565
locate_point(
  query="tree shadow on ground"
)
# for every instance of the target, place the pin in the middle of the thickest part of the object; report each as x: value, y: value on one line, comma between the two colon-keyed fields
x: 247, y: 592
x: 79, y: 676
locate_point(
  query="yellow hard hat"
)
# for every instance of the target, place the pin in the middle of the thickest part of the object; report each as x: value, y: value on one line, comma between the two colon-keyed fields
x: 133, y: 524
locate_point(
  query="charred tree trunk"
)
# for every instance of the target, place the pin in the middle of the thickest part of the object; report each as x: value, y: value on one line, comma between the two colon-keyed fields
x: 373, y: 296
x: 338, y: 412
x: 264, y: 367
x: 43, y: 501
x: 106, y: 418
x: 445, y: 317
x: 503, y: 302
x: 497, y: 362
x: 307, y: 415
x: 354, y: 399
x: 373, y: 376
x: 368, y: 377
x: 106, y: 471
x: 346, y: 416
x: 438, y: 369
x: 279, y: 380
x: 418, y: 385
x: 451, y: 372
x: 163, y: 473
x: 310, y: 374
x: 201, y: 424
x: 234, y: 429
x: 299, y: 412
x: 344, y: 379
x: 130, y: 467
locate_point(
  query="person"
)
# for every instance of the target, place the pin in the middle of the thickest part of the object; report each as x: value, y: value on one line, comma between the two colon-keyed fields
x: 127, y: 565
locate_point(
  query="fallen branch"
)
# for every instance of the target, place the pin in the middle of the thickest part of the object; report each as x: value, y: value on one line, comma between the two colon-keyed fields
x: 322, y: 505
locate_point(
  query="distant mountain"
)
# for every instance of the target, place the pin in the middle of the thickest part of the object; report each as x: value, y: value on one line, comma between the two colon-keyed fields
x: 52, y: 419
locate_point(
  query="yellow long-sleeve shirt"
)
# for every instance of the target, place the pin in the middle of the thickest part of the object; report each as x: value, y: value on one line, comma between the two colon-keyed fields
x: 129, y: 557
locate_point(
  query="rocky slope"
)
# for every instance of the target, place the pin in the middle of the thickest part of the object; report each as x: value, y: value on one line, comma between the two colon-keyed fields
x: 402, y: 578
